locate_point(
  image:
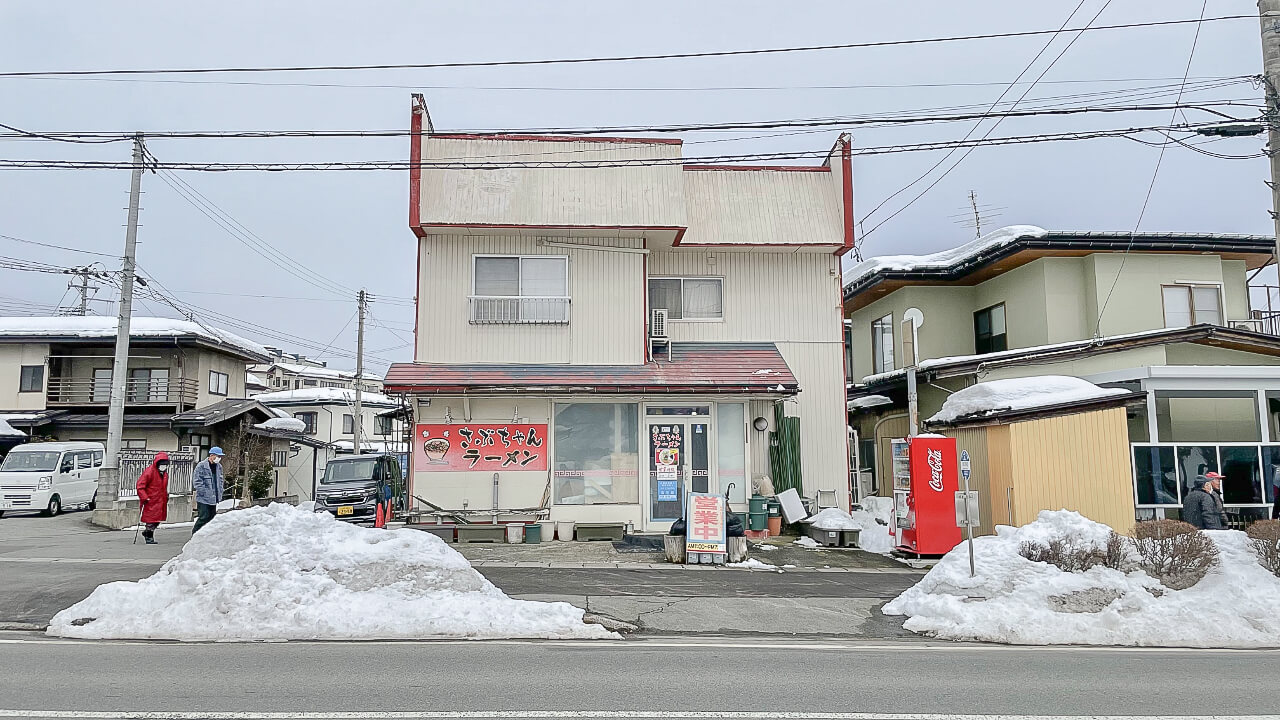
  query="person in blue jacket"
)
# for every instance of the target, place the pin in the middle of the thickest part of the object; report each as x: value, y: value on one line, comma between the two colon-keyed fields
x: 207, y: 482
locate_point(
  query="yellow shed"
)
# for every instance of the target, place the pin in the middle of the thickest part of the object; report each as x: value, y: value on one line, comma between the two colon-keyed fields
x: 1072, y: 456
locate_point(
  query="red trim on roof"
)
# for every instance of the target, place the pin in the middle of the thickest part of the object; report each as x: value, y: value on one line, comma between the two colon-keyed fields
x: 415, y: 165
x: 776, y: 168
x: 676, y: 228
x: 846, y: 166
x: 557, y: 138
x: 759, y: 245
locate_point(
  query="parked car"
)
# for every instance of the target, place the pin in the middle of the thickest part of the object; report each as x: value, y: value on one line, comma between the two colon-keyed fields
x: 49, y: 477
x: 351, y: 486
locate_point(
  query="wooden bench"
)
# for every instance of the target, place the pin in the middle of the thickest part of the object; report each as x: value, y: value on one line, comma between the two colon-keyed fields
x: 600, y: 531
x: 482, y: 533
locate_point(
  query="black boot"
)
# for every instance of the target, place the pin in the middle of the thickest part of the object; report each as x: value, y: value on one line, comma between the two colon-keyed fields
x: 149, y: 536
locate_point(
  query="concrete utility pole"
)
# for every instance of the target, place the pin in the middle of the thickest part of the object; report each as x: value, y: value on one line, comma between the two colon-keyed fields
x: 1269, y: 14
x: 361, y: 302
x: 81, y: 285
x: 120, y: 366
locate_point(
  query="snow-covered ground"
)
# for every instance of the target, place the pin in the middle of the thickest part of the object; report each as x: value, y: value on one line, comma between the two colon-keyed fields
x: 752, y: 564
x: 1015, y: 600
x: 278, y: 572
x: 874, y: 537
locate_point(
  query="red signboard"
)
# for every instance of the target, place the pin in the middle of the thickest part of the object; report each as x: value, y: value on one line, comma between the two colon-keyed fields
x: 932, y: 502
x: 479, y: 447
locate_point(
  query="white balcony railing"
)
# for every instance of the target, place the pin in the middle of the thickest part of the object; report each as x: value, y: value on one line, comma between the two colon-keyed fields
x: 505, y: 310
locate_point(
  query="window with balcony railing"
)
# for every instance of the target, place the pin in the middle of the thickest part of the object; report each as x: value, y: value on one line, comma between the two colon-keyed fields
x: 520, y: 290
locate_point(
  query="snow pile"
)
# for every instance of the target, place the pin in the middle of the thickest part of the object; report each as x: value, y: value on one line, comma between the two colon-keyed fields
x: 752, y: 564
x: 942, y: 260
x: 1015, y: 600
x: 833, y: 519
x: 874, y: 536
x: 764, y: 548
x: 139, y: 327
x: 1020, y: 394
x: 285, y: 424
x: 807, y: 542
x: 7, y: 430
x: 278, y: 572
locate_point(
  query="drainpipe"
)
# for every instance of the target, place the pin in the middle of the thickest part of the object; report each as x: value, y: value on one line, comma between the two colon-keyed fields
x: 875, y: 435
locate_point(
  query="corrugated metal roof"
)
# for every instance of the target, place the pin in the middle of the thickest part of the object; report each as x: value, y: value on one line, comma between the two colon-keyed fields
x: 762, y: 207
x: 100, y: 419
x: 220, y: 411
x: 695, y: 367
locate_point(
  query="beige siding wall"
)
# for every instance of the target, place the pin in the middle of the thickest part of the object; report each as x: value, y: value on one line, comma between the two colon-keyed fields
x: 1000, y: 470
x: 157, y: 439
x: 1022, y: 291
x: 1083, y: 367
x: 947, y: 329
x: 12, y: 358
x: 1136, y: 303
x: 1065, y: 300
x: 210, y: 361
x: 974, y: 440
x: 736, y: 207
x: 824, y: 451
x: 892, y: 428
x: 606, y: 315
x: 1193, y: 354
x: 1075, y: 462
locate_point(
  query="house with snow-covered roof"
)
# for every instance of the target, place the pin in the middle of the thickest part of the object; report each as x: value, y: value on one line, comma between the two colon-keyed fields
x: 613, y: 326
x: 1165, y: 317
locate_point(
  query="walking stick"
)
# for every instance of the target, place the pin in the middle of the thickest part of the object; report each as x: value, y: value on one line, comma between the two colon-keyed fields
x: 138, y: 527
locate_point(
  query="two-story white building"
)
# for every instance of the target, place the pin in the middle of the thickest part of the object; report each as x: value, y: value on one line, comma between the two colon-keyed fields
x: 603, y: 327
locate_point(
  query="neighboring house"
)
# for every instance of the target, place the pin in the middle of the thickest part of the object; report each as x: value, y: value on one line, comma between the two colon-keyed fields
x: 280, y: 376
x: 55, y: 378
x: 1166, y: 315
x: 328, y: 417
x: 600, y: 339
x: 255, y: 384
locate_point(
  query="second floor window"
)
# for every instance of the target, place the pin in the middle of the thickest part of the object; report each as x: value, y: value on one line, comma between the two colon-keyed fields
x: 348, y: 424
x: 218, y: 383
x: 308, y: 419
x: 1191, y: 305
x: 989, y: 330
x: 520, y: 289
x: 882, y: 344
x: 383, y: 425
x: 688, y: 298
x: 31, y: 378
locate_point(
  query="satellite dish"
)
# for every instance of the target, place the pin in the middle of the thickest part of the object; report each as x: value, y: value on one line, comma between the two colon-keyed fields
x: 915, y: 315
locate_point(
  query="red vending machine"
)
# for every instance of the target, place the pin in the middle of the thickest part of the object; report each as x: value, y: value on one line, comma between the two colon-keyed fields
x: 925, y: 481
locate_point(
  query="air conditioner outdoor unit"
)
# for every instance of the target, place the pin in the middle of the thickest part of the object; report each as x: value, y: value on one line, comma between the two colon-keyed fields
x: 658, y: 333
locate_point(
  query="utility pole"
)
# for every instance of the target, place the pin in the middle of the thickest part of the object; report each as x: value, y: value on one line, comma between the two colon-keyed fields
x: 120, y: 365
x: 1269, y: 14
x: 109, y: 478
x: 82, y: 287
x: 361, y: 302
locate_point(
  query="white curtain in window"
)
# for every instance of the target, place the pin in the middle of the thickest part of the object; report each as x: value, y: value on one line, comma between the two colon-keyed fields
x: 997, y: 320
x: 664, y: 294
x: 703, y: 298
x: 497, y: 277
x: 543, y: 277
x: 731, y: 450
x: 1208, y: 305
x: 1177, y: 306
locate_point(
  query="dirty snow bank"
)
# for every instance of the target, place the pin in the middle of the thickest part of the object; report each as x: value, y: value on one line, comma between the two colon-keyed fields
x: 278, y: 572
x: 874, y: 536
x: 1023, y: 393
x: 1014, y: 600
x: 752, y: 564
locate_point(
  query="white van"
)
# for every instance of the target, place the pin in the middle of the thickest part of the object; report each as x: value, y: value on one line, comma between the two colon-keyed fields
x: 50, y: 476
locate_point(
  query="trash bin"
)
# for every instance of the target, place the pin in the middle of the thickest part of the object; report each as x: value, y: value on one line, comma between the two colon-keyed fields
x: 757, y: 504
x: 532, y: 534
x: 775, y: 525
x: 564, y: 530
x: 515, y: 533
x: 757, y: 520
x: 775, y: 507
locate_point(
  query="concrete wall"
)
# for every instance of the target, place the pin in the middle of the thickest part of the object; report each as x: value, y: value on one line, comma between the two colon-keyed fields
x: 12, y: 358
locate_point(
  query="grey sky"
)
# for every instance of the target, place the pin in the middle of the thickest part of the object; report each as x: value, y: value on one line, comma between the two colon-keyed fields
x: 352, y: 227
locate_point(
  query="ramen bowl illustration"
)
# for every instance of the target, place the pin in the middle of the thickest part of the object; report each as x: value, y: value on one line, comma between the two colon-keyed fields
x: 436, y: 448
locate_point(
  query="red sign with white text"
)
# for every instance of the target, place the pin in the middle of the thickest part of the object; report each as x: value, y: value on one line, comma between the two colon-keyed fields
x: 479, y: 447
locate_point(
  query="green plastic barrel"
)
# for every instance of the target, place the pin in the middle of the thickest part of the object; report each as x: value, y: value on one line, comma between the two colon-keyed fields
x: 758, y: 503
x: 532, y: 534
x: 775, y: 508
x: 757, y: 520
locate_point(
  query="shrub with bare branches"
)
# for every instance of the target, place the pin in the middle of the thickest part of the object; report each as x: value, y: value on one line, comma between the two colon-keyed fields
x: 1173, y: 552
x: 1070, y: 555
x: 1264, y: 536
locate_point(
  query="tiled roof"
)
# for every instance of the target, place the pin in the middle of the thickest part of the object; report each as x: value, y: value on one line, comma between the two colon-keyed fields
x: 695, y: 368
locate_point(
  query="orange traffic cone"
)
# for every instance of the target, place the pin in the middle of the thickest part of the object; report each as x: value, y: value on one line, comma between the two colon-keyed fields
x: 379, y: 520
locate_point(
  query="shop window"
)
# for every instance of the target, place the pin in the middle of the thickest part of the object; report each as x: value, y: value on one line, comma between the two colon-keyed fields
x: 520, y: 289
x: 1207, y: 416
x: 989, y: 330
x: 1156, y: 475
x: 31, y: 378
x: 689, y: 298
x: 882, y: 344
x: 731, y: 450
x: 308, y: 419
x: 1191, y: 305
x: 597, y: 457
x: 1193, y: 462
x: 1242, y: 484
x: 1271, y: 472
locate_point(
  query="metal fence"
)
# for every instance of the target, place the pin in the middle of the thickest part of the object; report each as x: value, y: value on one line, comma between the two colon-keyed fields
x: 496, y: 310
x: 133, y: 462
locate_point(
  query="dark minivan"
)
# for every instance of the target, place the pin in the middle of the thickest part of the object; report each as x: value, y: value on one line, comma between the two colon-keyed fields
x: 352, y: 485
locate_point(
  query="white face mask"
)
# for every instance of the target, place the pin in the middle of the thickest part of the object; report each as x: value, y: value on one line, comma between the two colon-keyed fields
x: 215, y: 459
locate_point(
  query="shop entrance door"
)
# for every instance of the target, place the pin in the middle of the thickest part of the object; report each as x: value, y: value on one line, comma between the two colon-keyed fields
x: 679, y: 463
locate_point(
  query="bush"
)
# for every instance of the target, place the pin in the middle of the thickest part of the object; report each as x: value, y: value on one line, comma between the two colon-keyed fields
x: 1264, y: 535
x: 1069, y: 555
x: 261, y: 480
x: 1173, y: 552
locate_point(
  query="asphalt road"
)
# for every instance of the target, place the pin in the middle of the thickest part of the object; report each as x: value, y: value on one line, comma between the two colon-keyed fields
x: 641, y: 676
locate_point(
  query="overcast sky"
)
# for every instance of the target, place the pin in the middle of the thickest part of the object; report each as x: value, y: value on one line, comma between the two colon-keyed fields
x: 352, y: 227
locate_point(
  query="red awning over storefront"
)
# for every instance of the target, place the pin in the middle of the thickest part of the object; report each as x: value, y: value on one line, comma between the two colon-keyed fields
x: 694, y: 368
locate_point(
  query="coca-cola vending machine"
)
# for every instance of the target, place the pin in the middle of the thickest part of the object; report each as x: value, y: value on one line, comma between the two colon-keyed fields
x: 925, y: 480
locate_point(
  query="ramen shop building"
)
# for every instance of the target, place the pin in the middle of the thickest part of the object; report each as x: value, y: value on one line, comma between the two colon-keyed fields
x: 610, y: 327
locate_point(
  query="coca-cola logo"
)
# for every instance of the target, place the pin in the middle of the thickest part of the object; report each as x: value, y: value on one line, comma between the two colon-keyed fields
x: 935, y: 470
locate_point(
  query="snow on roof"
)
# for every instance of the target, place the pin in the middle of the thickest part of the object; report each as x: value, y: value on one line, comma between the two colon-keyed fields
x: 309, y: 371
x: 286, y: 424
x: 255, y: 379
x: 868, y: 401
x: 344, y: 396
x: 380, y: 446
x: 1024, y: 393
x: 6, y: 430
x: 140, y: 327
x: 945, y: 259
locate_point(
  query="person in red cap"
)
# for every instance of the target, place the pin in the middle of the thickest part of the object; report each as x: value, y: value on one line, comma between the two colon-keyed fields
x: 1202, y: 506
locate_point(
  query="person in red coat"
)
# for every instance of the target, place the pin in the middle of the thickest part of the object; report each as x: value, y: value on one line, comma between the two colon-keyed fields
x: 153, y: 494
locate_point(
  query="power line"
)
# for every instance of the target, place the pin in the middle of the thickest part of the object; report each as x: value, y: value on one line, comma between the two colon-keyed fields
x: 617, y: 58
x: 58, y: 247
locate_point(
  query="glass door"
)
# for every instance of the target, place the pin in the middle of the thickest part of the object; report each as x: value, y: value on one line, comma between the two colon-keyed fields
x: 679, y: 451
